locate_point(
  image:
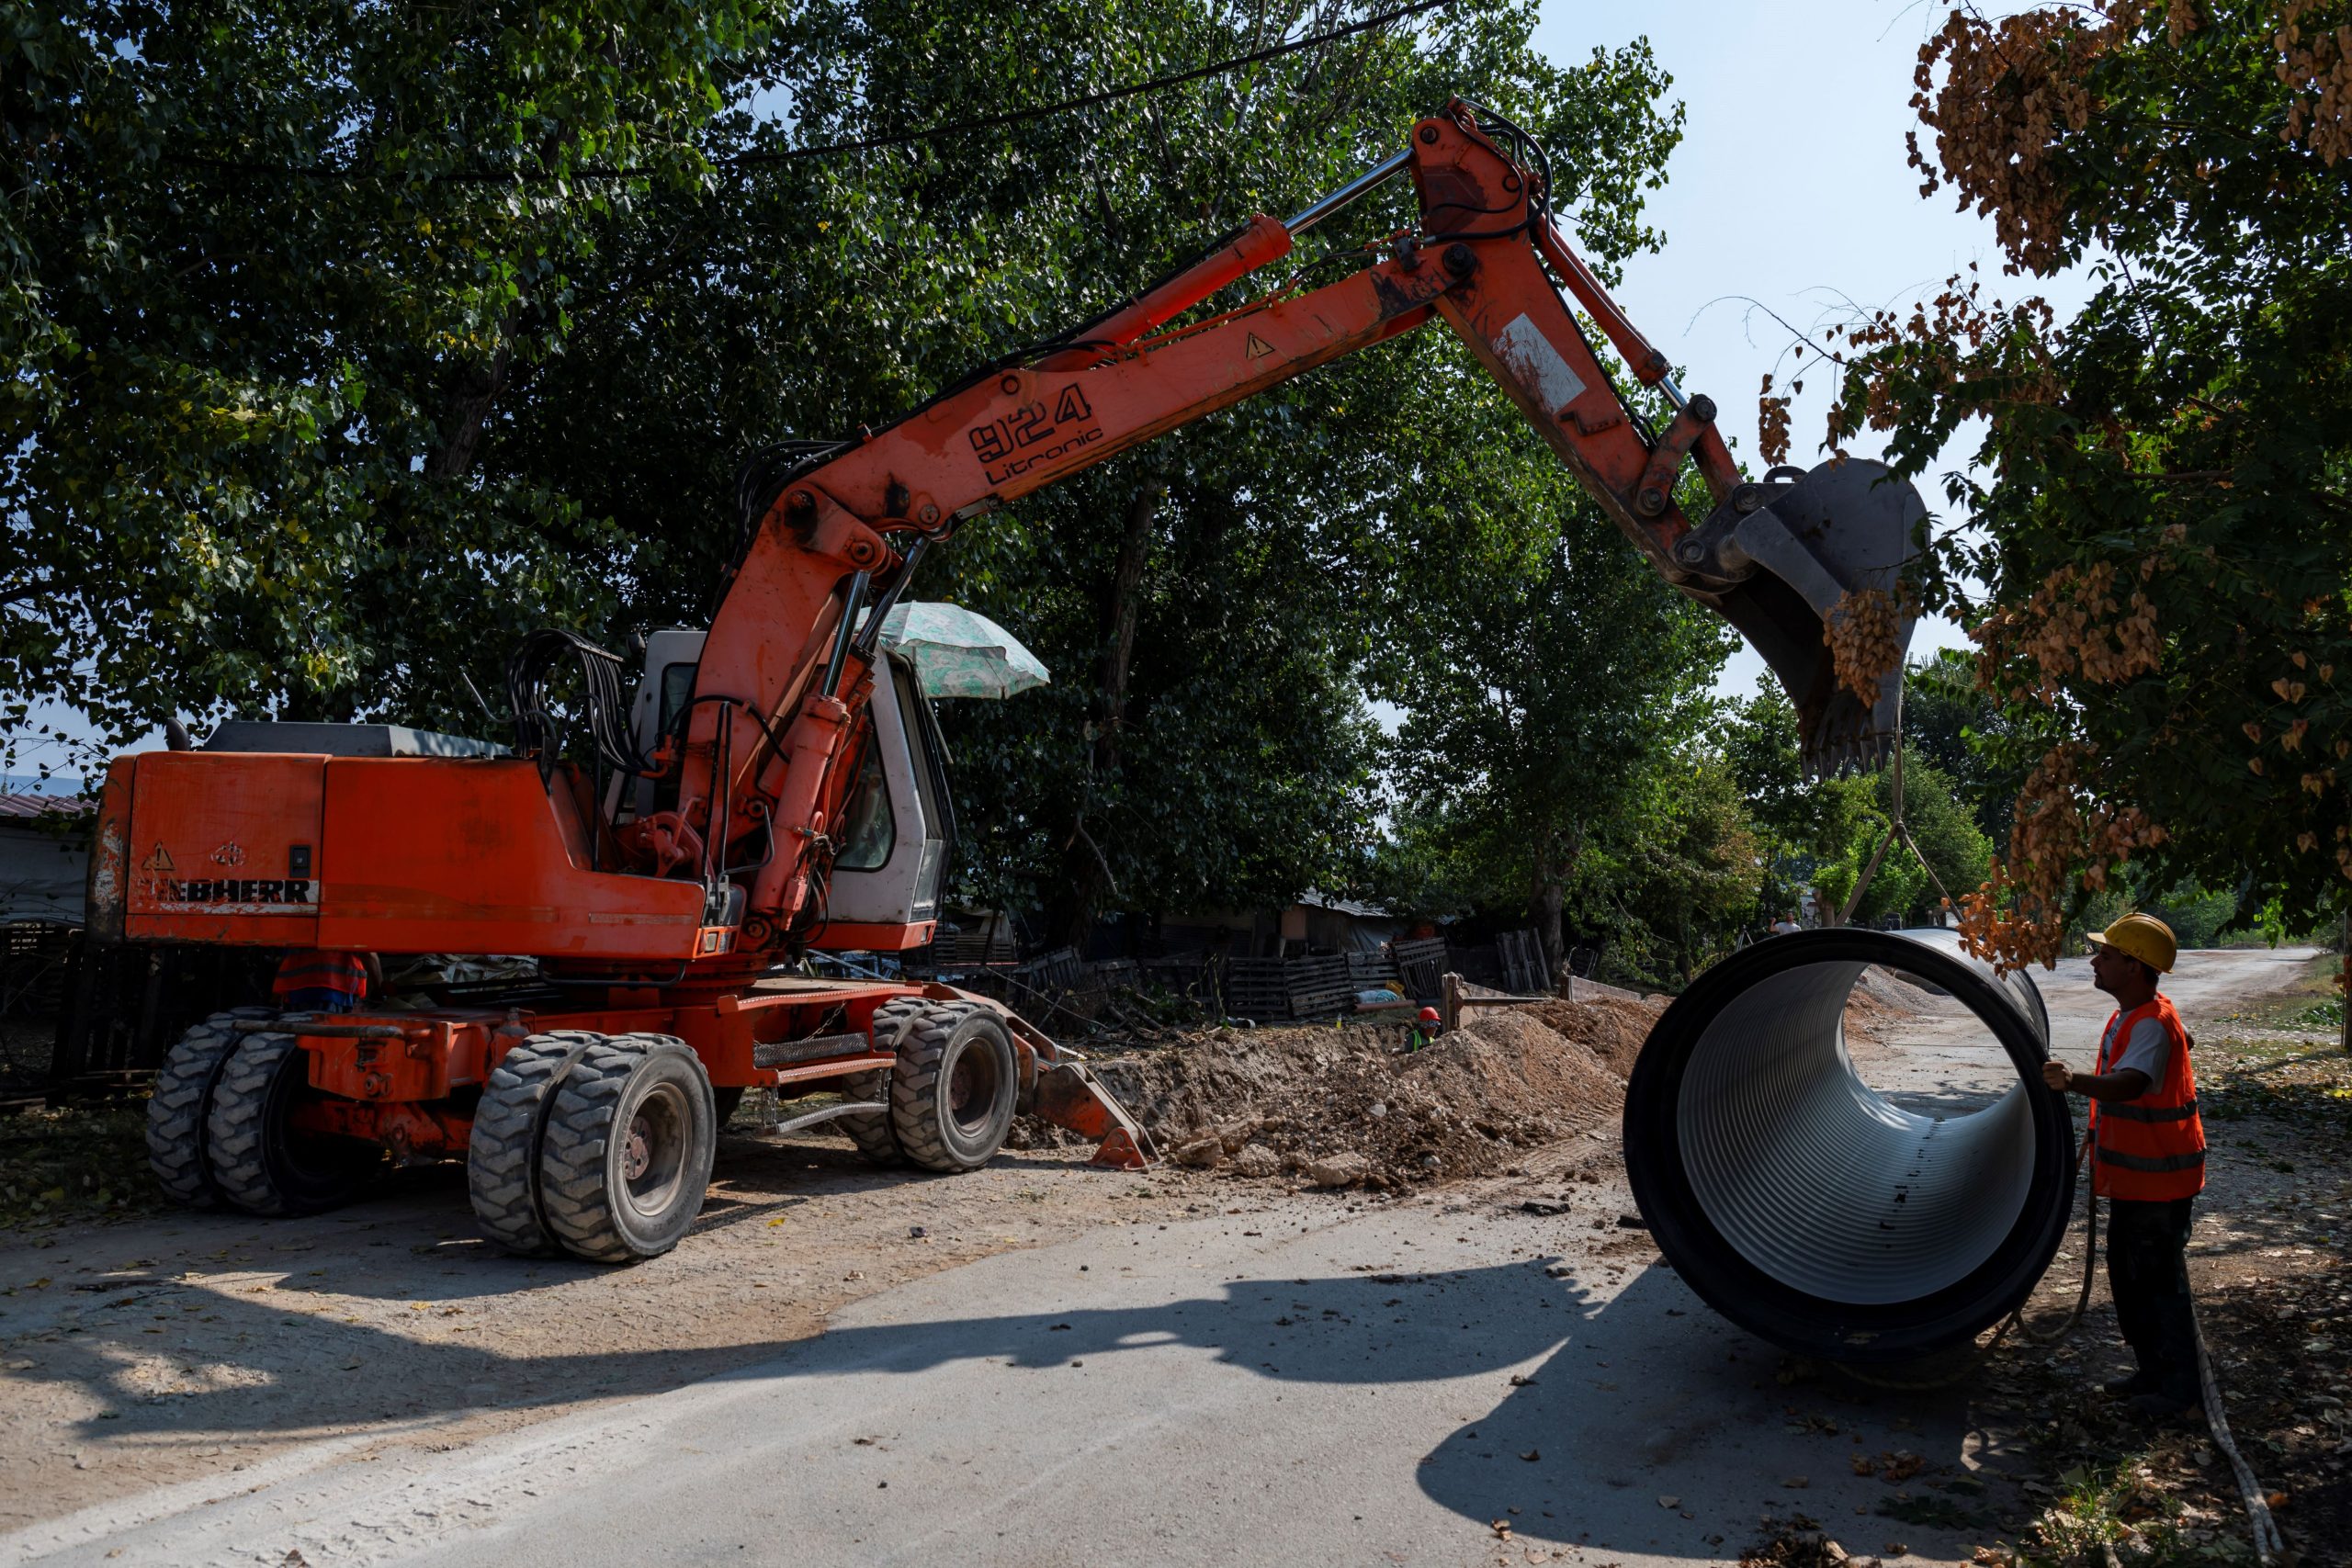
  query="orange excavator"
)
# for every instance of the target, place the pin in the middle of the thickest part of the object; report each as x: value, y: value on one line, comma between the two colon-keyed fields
x: 775, y: 785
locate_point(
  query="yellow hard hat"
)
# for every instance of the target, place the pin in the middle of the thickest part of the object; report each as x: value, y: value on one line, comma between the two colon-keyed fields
x: 2143, y: 937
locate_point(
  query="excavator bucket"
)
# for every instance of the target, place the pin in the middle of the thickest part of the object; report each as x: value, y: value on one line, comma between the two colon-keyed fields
x: 1809, y: 567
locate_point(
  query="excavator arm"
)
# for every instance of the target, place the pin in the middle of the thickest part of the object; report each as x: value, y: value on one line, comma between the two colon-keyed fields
x: 769, y: 749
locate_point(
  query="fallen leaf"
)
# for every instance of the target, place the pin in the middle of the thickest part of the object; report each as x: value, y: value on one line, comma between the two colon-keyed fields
x: 1531, y: 1455
x: 1669, y: 1502
x: 1797, y: 1481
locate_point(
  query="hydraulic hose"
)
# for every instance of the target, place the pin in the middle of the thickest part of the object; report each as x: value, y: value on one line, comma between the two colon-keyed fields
x: 1810, y: 1208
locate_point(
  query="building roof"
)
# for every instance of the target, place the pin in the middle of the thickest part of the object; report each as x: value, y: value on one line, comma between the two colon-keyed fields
x: 1361, y: 912
x: 43, y: 805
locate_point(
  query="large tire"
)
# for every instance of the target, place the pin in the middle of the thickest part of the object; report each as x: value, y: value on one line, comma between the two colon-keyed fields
x: 953, y: 1088
x: 870, y: 1130
x: 503, y: 1151
x: 182, y: 1100
x: 260, y: 1162
x: 628, y: 1146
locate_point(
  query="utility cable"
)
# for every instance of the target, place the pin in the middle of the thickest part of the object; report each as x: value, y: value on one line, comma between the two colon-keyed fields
x: 762, y: 157
x: 1088, y: 100
x: 2267, y: 1544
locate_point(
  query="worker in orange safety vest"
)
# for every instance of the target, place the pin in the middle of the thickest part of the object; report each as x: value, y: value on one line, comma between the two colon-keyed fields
x: 320, y: 980
x: 2147, y: 1148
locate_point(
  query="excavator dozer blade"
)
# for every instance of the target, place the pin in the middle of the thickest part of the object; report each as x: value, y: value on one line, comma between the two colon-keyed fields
x: 1781, y: 558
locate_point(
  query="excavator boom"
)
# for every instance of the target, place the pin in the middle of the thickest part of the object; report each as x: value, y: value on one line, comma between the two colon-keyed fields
x: 1783, y: 559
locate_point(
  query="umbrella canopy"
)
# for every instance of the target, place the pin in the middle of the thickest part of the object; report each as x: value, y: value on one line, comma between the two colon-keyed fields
x: 959, y: 653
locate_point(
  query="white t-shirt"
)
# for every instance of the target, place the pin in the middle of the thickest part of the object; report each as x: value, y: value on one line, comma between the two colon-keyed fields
x: 2149, y: 1049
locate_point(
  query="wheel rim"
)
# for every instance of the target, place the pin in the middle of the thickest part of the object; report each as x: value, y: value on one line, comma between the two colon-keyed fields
x: 652, y: 1151
x: 972, y: 1085
x: 308, y: 1159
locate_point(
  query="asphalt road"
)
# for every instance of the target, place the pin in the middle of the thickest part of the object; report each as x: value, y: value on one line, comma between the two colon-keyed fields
x: 1317, y: 1383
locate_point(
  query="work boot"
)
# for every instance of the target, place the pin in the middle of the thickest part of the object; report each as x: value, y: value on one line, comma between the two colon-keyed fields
x: 2139, y: 1383
x: 2168, y: 1407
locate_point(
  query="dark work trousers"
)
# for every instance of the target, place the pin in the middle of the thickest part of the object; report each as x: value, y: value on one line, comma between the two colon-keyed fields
x: 2148, y: 1274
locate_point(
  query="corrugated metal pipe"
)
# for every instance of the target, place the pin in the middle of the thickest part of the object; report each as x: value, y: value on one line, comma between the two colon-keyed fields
x: 1809, y: 1208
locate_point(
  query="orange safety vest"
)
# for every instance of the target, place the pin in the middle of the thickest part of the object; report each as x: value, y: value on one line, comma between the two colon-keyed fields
x: 2151, y: 1149
x: 318, y: 970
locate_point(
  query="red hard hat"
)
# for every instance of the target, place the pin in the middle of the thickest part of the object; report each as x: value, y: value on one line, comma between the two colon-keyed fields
x: 1429, y: 1015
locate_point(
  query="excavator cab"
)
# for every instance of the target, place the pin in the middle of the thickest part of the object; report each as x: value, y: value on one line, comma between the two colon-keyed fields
x: 898, y: 826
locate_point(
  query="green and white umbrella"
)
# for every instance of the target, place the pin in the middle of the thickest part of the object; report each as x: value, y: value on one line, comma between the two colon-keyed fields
x: 959, y: 653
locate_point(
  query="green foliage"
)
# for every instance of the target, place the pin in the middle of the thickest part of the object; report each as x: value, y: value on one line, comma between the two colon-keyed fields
x: 1548, y: 678
x: 1673, y: 881
x: 1822, y: 834
x: 318, y: 444
x: 2162, y: 524
x: 245, y: 406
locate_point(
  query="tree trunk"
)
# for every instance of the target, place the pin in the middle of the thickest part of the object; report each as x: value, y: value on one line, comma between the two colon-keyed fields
x: 1550, y: 893
x: 473, y: 392
x: 1085, y: 875
x: 2343, y: 988
x: 1548, y: 898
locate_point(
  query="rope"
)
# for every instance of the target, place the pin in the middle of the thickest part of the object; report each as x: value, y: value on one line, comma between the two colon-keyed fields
x: 1897, y: 830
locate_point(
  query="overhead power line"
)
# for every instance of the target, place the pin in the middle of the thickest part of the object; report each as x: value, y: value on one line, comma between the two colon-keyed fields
x: 759, y: 158
x: 1088, y: 100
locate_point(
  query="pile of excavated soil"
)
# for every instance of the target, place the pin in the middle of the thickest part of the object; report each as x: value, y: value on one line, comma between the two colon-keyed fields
x: 1881, y: 1000
x: 1340, y: 1106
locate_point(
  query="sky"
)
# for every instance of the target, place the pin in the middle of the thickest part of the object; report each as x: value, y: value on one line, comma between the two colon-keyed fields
x: 1790, y: 190
x: 1789, y: 195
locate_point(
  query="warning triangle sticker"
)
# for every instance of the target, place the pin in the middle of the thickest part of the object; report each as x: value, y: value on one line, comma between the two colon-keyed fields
x: 1259, y: 348
x: 160, y: 862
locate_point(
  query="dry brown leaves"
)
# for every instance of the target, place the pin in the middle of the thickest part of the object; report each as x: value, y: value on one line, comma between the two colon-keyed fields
x: 1864, y: 631
x: 2072, y: 627
x: 2315, y: 62
x: 1771, y: 425
x: 2012, y: 87
x: 2018, y: 917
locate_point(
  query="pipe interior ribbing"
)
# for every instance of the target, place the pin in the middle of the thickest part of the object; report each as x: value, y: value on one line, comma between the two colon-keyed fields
x: 1820, y: 1180
x: 1872, y: 1212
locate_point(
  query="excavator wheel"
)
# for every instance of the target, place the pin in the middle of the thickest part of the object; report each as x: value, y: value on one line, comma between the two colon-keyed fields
x: 953, y: 1088
x: 628, y: 1146
x: 871, y: 1132
x: 502, y: 1153
x: 183, y: 1098
x: 263, y: 1163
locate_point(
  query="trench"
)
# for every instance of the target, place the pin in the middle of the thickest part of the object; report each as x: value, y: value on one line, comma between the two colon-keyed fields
x: 1807, y: 1204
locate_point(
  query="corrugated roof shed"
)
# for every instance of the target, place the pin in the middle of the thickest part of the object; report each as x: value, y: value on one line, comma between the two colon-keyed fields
x: 42, y: 805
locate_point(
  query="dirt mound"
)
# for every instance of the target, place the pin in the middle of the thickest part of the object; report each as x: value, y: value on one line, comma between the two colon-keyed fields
x: 1271, y: 1102
x: 1881, y: 1000
x: 1612, y: 1029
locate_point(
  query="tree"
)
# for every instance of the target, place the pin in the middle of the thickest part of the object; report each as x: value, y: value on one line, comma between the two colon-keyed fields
x: 272, y: 282
x: 1542, y: 680
x: 1958, y: 729
x: 1673, y: 880
x: 2163, y: 528
x: 1822, y: 833
x: 500, y: 361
